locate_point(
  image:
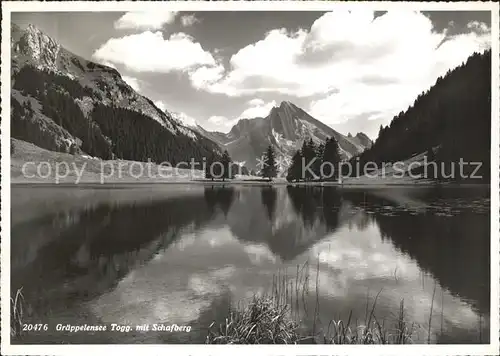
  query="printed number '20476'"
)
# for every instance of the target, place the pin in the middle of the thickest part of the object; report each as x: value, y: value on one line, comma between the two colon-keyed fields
x: 35, y: 327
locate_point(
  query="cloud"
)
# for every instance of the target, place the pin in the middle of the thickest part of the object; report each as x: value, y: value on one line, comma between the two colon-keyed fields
x: 368, y: 123
x: 153, y: 20
x: 150, y: 52
x: 350, y: 63
x: 255, y: 68
x: 184, y: 118
x: 217, y: 120
x: 108, y: 64
x: 478, y: 26
x: 189, y: 20
x: 255, y: 102
x: 359, y: 98
x: 202, y: 77
x: 133, y: 82
x: 220, y: 123
x: 258, y: 108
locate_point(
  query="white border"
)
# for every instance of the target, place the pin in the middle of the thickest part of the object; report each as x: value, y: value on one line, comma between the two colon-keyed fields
x: 73, y: 6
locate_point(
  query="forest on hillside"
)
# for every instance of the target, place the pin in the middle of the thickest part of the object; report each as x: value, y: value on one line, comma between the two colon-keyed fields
x: 109, y: 132
x: 451, y: 120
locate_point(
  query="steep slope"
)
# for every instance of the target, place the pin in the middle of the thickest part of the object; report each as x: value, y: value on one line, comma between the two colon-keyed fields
x: 453, y: 119
x: 285, y: 128
x: 65, y: 103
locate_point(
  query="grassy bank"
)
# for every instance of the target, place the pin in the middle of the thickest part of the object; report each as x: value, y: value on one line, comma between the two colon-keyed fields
x: 31, y: 164
x: 16, y: 314
x: 264, y: 322
x: 277, y: 317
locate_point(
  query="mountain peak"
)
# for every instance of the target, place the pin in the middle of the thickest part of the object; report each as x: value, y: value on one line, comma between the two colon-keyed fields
x: 363, y: 139
x: 35, y: 44
x: 286, y: 103
x: 284, y: 128
x: 33, y: 29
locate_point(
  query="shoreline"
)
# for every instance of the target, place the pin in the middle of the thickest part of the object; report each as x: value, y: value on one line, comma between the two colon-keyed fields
x: 124, y: 183
x: 85, y: 171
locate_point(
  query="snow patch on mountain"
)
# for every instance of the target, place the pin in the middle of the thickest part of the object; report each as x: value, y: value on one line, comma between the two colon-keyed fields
x: 280, y: 139
x: 183, y: 119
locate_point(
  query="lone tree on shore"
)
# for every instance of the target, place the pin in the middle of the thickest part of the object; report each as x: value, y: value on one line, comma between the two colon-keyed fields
x: 217, y: 167
x: 226, y: 166
x: 269, y: 170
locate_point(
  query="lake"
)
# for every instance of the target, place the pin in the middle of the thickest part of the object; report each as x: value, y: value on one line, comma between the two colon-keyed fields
x: 182, y: 254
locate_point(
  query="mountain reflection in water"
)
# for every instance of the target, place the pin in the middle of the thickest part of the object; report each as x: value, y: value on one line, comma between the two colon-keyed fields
x: 185, y: 259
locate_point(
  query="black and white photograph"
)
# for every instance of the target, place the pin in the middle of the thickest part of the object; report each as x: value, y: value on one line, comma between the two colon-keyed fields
x: 319, y: 175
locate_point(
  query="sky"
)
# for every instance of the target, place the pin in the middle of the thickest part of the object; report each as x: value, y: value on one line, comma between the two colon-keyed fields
x: 351, y: 70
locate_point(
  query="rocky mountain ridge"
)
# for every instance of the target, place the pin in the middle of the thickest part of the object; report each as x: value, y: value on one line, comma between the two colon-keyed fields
x: 285, y: 128
x: 41, y: 68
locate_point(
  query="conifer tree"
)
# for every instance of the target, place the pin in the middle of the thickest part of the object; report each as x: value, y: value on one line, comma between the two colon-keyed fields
x: 226, y: 166
x: 269, y: 170
x: 208, y: 168
x: 331, y: 158
x: 308, y: 154
x: 319, y: 159
x: 295, y: 170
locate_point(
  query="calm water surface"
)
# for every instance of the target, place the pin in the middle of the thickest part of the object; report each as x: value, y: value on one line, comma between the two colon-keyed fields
x: 182, y: 254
